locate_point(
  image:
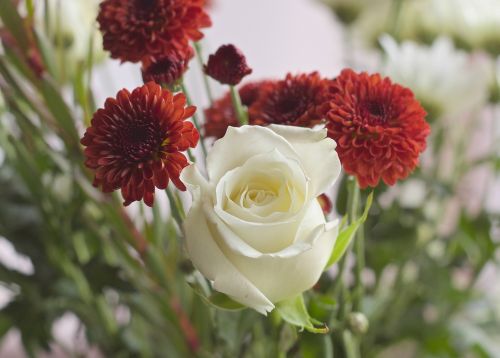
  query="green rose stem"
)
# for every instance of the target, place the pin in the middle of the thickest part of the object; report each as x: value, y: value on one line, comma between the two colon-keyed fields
x: 199, y: 57
x: 241, y: 113
x: 195, y: 120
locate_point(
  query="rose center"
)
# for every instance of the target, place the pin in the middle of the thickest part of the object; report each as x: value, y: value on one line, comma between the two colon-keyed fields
x: 259, y: 197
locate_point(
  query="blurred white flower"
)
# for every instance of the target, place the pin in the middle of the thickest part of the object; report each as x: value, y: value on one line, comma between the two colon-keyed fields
x: 482, y: 24
x: 72, y: 23
x: 447, y: 81
x: 472, y: 24
x: 373, y: 22
x: 412, y: 193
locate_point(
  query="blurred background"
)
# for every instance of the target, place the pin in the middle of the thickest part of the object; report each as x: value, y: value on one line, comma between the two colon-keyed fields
x: 433, y: 273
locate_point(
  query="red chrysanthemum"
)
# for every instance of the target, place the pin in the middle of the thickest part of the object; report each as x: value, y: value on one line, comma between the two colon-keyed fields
x: 227, y: 65
x: 379, y: 127
x: 167, y: 69
x: 135, y: 142
x: 297, y: 100
x: 134, y: 29
x: 222, y: 114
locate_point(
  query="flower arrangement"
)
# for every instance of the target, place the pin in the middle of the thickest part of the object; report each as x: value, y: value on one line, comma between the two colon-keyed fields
x: 279, y: 220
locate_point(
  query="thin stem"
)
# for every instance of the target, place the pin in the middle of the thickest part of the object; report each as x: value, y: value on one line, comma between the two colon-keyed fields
x: 199, y: 56
x: 59, y: 43
x: 349, y: 345
x: 174, y: 207
x: 359, y: 247
x: 191, y: 156
x: 195, y: 120
x: 241, y: 113
x: 352, y: 210
x: 396, y: 18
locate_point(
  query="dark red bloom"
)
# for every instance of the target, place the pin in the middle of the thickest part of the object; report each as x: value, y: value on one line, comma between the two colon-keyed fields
x: 135, y: 142
x: 167, y: 69
x: 297, y: 100
x: 379, y: 127
x: 135, y: 29
x: 227, y: 65
x: 222, y: 115
x: 325, y: 203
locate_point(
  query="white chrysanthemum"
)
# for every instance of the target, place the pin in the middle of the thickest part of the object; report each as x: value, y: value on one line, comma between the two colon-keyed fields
x: 474, y: 24
x: 447, y: 81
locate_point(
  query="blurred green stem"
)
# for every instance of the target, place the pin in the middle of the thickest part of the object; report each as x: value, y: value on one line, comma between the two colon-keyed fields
x: 176, y: 210
x: 241, y: 113
x: 359, y: 248
x: 395, y: 20
x: 199, y: 56
x: 195, y: 120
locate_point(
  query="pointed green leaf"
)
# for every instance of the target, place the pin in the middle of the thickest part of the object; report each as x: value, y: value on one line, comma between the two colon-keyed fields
x: 294, y: 311
x: 13, y: 22
x: 217, y: 299
x: 346, y: 235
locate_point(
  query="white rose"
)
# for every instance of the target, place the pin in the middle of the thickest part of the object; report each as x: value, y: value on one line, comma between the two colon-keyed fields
x: 255, y: 228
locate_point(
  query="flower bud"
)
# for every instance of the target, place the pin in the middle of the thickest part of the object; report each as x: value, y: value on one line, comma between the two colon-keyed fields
x: 167, y: 69
x: 358, y: 323
x: 228, y: 65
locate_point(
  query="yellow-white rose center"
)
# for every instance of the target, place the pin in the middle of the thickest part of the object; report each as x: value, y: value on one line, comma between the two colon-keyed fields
x: 265, y: 188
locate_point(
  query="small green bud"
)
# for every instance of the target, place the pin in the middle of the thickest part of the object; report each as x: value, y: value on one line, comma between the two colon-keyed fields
x: 358, y: 323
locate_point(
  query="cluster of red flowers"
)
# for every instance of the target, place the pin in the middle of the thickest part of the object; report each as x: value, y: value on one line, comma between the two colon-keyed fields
x: 379, y: 126
x: 297, y: 100
x: 154, y: 32
x: 135, y: 141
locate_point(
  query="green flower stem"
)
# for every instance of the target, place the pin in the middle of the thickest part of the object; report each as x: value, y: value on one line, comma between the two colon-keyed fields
x: 195, y: 120
x: 241, y: 113
x: 359, y: 248
x: 199, y: 56
x: 191, y: 155
x: 175, y: 207
x: 395, y: 24
x: 352, y: 211
x: 350, y: 346
x: 340, y: 290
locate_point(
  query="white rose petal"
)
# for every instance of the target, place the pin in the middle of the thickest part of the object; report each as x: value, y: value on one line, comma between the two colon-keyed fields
x: 256, y: 229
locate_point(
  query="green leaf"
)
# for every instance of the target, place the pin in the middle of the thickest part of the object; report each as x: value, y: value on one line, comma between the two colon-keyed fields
x: 13, y: 22
x: 315, y: 346
x: 346, y: 235
x: 217, y: 299
x: 294, y: 311
x: 5, y: 325
x: 60, y: 110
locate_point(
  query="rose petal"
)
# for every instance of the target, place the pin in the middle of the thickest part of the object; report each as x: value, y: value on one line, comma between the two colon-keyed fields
x: 317, y: 154
x: 208, y: 257
x: 291, y: 271
x: 240, y: 144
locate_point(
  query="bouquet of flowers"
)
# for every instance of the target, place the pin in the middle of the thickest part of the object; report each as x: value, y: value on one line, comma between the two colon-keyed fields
x: 278, y: 221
